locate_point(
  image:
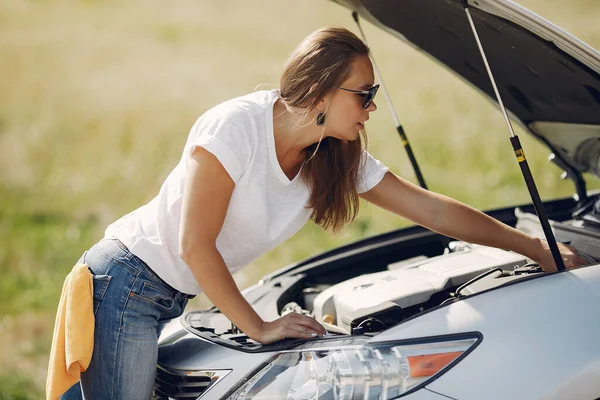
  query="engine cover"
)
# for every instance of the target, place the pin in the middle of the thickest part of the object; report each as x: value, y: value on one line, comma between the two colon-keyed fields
x: 411, y: 284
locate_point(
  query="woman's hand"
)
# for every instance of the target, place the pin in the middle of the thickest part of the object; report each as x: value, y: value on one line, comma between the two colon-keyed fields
x: 291, y: 326
x: 570, y: 256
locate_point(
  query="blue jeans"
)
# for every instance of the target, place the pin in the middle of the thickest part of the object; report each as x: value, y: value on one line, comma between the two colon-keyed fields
x: 131, y: 303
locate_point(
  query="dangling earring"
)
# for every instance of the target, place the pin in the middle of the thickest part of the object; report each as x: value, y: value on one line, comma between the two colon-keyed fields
x: 321, y: 119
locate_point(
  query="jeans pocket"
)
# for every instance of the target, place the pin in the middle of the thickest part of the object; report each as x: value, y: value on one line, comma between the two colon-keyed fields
x: 154, y: 294
x: 100, y: 285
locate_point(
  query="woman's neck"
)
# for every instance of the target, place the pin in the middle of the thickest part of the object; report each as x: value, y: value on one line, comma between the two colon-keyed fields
x: 293, y: 133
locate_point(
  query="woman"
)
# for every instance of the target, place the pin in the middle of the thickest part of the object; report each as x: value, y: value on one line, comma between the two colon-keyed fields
x: 254, y: 170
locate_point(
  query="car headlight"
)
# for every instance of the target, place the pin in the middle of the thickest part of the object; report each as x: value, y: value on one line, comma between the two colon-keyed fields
x: 364, y: 371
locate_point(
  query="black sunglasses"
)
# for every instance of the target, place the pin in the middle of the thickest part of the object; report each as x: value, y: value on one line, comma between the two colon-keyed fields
x: 368, y: 95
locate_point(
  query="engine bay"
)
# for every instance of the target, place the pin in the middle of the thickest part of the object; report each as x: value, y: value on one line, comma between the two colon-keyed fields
x: 406, y: 285
x: 368, y: 298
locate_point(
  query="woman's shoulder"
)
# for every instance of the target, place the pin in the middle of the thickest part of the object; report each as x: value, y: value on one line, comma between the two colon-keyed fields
x: 244, y: 108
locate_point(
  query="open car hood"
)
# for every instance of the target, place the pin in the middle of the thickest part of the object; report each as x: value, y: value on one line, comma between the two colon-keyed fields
x: 548, y: 79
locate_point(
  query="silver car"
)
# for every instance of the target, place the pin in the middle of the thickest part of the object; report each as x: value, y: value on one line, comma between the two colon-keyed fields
x: 410, y: 313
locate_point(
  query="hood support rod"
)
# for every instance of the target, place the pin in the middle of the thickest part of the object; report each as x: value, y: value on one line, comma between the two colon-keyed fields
x: 518, y: 149
x: 399, y: 127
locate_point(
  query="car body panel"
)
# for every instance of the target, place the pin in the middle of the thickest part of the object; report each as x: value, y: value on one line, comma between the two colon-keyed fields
x: 547, y: 320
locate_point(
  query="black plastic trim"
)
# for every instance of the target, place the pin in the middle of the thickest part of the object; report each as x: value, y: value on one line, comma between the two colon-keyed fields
x: 282, y: 345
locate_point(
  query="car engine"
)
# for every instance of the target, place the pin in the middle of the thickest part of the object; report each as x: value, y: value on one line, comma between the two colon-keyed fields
x: 408, y: 284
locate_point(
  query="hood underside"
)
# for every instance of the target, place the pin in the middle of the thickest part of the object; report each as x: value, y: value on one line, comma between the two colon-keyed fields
x: 546, y: 77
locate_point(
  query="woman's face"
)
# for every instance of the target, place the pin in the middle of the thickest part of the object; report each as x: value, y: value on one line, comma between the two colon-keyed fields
x: 345, y: 115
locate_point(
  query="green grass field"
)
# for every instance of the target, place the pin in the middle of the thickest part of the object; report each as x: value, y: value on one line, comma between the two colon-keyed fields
x: 97, y: 98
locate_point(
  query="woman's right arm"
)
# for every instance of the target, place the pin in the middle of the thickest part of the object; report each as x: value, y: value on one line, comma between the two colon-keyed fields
x: 206, y: 196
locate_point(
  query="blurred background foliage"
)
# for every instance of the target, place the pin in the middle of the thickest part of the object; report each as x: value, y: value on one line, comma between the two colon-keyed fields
x: 97, y: 98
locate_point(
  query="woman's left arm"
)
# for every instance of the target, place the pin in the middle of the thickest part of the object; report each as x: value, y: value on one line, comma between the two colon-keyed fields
x: 452, y: 218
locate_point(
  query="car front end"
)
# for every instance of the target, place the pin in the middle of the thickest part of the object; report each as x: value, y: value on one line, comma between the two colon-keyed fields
x: 410, y: 313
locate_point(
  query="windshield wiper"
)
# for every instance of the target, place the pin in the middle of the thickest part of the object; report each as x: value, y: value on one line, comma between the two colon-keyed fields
x: 519, y: 153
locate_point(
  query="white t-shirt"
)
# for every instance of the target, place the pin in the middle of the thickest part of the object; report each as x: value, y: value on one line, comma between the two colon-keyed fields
x: 265, y: 209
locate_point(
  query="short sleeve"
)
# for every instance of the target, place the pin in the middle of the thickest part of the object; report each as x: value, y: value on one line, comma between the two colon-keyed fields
x: 227, y: 136
x: 371, y: 173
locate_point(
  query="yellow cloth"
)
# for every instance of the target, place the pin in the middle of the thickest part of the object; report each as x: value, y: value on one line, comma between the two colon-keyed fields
x: 73, y: 339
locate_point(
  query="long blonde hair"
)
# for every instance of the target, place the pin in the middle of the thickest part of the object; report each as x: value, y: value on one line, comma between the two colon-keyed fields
x: 320, y: 61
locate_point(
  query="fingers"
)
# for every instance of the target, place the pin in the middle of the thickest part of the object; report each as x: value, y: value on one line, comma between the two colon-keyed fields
x: 580, y: 261
x: 575, y: 259
x: 292, y: 333
x: 571, y: 262
x: 294, y: 325
x: 308, y: 322
x: 571, y: 257
x: 586, y: 259
x: 291, y: 326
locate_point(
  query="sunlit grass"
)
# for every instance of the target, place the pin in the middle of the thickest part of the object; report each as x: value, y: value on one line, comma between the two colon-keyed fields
x: 97, y: 98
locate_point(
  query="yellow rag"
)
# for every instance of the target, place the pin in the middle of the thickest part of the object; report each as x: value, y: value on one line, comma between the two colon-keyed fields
x: 73, y: 339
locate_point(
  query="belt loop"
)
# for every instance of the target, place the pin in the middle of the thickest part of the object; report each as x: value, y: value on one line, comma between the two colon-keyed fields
x: 128, y: 254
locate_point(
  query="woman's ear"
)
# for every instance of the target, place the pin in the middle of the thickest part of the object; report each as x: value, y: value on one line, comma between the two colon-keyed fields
x: 321, y: 106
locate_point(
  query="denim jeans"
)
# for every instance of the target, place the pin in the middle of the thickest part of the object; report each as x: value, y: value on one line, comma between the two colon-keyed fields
x: 131, y: 303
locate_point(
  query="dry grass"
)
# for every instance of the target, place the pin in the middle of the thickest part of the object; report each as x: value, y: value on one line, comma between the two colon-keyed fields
x: 97, y: 98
